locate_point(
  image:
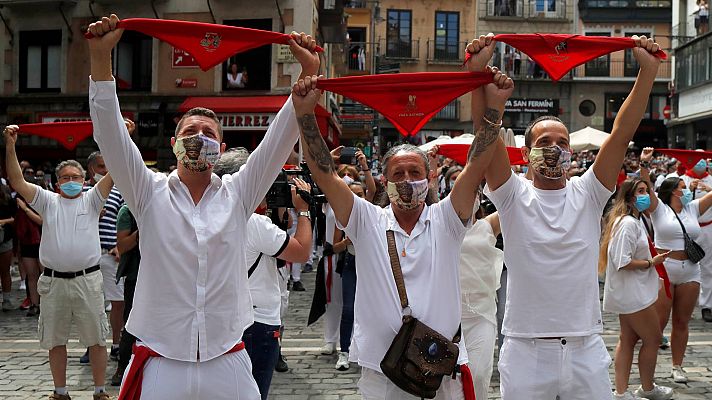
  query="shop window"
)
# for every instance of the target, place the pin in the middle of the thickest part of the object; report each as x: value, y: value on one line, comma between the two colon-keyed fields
x: 40, y: 61
x: 250, y: 70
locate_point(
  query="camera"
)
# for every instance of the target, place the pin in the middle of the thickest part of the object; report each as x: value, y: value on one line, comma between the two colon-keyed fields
x: 348, y: 155
x: 280, y: 193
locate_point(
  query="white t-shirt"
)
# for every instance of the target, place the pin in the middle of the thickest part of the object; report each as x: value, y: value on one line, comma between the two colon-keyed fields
x: 430, y: 272
x: 70, y: 229
x: 480, y: 270
x: 266, y: 238
x: 629, y: 291
x: 551, y: 251
x: 707, y: 180
x: 668, y: 233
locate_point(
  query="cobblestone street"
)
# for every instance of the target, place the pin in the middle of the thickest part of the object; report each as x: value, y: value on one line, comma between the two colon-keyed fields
x: 24, y: 367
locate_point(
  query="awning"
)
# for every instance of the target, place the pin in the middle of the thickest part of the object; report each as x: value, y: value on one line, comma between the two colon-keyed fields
x: 257, y: 112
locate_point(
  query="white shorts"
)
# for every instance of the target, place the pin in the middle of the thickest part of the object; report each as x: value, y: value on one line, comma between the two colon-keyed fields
x: 112, y: 290
x: 66, y: 301
x: 373, y: 385
x: 573, y: 368
x: 228, y: 377
x: 681, y: 272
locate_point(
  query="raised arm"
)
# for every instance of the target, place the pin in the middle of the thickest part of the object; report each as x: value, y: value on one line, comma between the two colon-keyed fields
x: 305, y: 95
x: 483, y: 146
x: 610, y: 157
x: 369, y: 181
x: 645, y: 158
x: 12, y: 166
x: 105, y: 185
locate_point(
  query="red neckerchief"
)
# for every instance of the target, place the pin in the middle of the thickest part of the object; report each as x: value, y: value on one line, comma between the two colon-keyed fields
x: 468, y: 386
x: 688, y: 158
x: 559, y: 53
x: 408, y: 100
x: 458, y: 152
x: 209, y: 44
x: 69, y: 134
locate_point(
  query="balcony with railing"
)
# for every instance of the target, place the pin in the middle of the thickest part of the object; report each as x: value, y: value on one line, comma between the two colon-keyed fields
x: 603, y: 68
x: 402, y: 50
x: 625, y: 10
x: 688, y: 29
x: 356, y: 4
x: 693, y: 63
x: 450, y: 112
x: 359, y: 58
x: 440, y: 52
x: 554, y: 10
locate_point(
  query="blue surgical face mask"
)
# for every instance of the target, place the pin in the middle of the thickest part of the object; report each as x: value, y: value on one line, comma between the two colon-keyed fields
x: 525, y: 168
x: 686, y: 197
x: 642, y: 202
x: 700, y: 167
x: 71, y: 188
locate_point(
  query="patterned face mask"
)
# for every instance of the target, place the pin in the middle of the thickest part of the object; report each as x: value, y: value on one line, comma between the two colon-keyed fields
x: 408, y: 195
x: 197, y: 153
x: 550, y: 162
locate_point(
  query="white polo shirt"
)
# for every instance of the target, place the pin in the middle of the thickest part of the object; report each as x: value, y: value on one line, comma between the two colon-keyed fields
x: 70, y: 229
x: 430, y: 271
x: 628, y: 291
x: 192, y: 293
x: 266, y: 238
x: 551, y: 242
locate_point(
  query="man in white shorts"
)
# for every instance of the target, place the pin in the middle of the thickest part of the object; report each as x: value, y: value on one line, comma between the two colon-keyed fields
x: 551, y: 229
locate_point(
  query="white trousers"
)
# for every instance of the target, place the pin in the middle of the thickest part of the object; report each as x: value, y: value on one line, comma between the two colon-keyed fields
x: 573, y: 368
x: 373, y: 385
x: 332, y: 321
x: 227, y: 377
x: 480, y: 336
x: 705, y: 299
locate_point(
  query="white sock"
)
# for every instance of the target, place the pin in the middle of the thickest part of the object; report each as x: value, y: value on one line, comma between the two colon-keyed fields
x: 61, y: 390
x: 98, y: 389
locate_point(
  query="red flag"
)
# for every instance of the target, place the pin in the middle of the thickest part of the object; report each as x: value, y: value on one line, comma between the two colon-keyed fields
x: 209, y: 44
x: 558, y: 53
x: 67, y: 133
x: 458, y: 152
x: 407, y: 100
x: 688, y: 158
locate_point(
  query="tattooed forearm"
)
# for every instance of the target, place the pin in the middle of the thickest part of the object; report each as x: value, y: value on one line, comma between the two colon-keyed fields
x: 316, y: 148
x: 485, y: 135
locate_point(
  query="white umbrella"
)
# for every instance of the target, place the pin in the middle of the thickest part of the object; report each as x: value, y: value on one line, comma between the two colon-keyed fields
x: 588, y: 139
x: 439, y: 140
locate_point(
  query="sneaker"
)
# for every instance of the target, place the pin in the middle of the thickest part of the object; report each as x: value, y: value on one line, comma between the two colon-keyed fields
x: 7, y: 305
x: 658, y: 393
x: 55, y: 396
x: 117, y: 377
x: 85, y: 358
x: 102, y: 396
x: 343, y: 363
x: 678, y: 375
x: 114, y: 353
x: 707, y: 314
x: 307, y: 268
x: 281, y: 364
x: 23, y: 285
x: 664, y: 343
x: 33, y: 311
x: 628, y: 395
x: 26, y: 304
x: 328, y: 348
x: 298, y: 286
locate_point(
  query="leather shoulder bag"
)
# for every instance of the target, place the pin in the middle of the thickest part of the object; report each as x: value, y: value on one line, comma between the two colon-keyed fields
x: 694, y: 251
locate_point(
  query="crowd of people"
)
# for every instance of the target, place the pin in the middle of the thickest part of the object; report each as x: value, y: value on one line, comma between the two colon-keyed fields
x: 423, y: 270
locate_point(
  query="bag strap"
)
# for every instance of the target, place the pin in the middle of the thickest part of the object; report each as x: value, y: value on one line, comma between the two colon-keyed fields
x: 396, y: 267
x: 684, y: 232
x: 254, y: 266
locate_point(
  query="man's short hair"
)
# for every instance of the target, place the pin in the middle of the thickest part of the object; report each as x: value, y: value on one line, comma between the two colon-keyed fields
x: 530, y: 127
x: 91, y: 160
x: 405, y: 148
x: 69, y: 163
x: 231, y: 161
x: 203, y: 112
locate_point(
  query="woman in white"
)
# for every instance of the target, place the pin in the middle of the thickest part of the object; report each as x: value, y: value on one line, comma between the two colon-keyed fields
x: 631, y: 289
x: 676, y: 207
x: 480, y: 268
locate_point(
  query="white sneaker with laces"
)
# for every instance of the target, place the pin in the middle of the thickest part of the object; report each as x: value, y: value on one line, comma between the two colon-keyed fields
x: 23, y: 285
x: 678, y: 375
x: 628, y: 395
x: 657, y: 393
x: 343, y: 363
x: 328, y: 348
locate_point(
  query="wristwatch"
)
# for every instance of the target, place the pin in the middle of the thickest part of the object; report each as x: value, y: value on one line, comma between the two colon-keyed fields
x: 645, y: 164
x: 304, y: 214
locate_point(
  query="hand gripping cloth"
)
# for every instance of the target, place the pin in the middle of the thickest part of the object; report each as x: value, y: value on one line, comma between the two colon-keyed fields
x: 209, y: 44
x: 558, y: 53
x: 69, y: 134
x: 407, y: 100
x: 458, y: 152
x: 688, y: 158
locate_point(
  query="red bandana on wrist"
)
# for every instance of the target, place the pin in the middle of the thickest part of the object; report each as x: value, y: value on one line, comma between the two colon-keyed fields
x: 408, y: 100
x: 688, y: 158
x: 458, y: 152
x: 209, y: 44
x: 69, y: 134
x: 558, y: 53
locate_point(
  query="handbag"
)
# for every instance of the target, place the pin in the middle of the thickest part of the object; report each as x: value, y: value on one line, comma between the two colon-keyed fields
x: 694, y: 251
x: 419, y: 357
